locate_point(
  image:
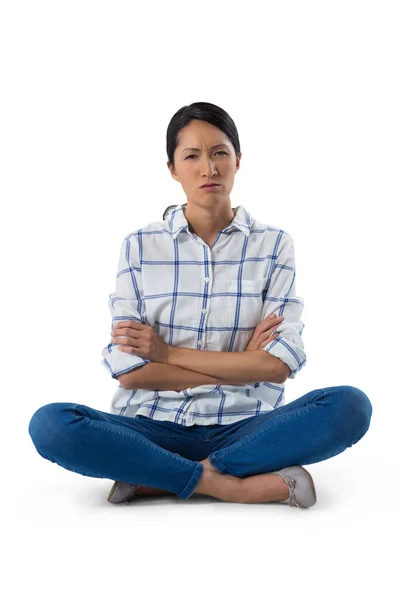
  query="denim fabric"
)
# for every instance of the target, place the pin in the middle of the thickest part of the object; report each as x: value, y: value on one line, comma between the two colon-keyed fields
x: 165, y: 455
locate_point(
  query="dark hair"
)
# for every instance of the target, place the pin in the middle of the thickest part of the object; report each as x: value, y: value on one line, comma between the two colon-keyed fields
x: 204, y: 111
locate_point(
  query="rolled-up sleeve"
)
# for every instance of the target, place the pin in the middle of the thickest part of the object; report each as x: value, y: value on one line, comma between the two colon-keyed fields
x: 281, y: 299
x: 126, y: 303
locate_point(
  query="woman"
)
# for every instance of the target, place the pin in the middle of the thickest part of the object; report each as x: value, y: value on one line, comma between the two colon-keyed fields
x: 195, y: 347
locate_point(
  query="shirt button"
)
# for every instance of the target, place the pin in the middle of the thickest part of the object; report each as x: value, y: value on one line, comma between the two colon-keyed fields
x: 206, y: 279
x: 204, y: 310
x: 200, y: 343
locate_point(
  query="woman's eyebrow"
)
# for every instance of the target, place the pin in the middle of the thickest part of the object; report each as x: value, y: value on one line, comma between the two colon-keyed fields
x: 212, y: 147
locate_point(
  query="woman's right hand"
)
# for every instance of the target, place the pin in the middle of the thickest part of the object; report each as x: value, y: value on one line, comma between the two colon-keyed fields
x: 264, y: 332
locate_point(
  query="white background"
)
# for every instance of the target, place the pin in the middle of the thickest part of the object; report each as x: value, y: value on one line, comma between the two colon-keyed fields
x: 88, y: 90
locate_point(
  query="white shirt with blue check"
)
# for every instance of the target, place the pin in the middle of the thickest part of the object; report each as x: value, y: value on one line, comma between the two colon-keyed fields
x: 206, y: 298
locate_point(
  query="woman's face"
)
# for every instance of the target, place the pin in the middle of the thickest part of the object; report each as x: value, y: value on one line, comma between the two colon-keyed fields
x: 213, y: 160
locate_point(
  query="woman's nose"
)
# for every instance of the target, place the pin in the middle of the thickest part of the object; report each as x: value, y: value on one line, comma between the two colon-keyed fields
x: 209, y: 169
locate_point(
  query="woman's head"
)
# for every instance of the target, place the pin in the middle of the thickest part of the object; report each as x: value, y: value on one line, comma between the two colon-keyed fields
x: 193, y: 160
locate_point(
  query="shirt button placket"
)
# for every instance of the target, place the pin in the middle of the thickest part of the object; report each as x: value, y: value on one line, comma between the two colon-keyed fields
x: 203, y: 310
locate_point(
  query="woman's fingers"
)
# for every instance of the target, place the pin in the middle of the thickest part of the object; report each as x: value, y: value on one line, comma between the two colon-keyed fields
x: 269, y: 339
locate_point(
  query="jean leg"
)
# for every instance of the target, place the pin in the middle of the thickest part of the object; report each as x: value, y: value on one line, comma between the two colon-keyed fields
x: 317, y: 426
x: 97, y: 444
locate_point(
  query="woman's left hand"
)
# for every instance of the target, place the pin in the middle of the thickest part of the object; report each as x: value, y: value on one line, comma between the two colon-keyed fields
x: 135, y: 338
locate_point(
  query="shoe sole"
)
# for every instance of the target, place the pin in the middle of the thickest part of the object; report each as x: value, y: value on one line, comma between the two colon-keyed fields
x: 114, y: 487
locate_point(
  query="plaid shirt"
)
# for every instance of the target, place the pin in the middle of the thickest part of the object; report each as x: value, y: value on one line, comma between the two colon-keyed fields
x: 206, y: 298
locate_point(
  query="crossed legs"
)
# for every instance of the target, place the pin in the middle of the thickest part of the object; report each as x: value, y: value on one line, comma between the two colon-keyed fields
x: 256, y: 488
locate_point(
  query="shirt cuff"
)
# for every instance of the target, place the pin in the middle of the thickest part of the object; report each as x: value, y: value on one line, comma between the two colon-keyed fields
x: 290, y: 354
x: 118, y: 362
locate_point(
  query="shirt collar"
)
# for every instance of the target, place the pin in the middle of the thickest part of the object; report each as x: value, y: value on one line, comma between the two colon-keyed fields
x: 177, y: 221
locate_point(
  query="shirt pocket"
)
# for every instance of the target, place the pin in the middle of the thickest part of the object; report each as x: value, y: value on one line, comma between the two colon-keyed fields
x: 244, y: 302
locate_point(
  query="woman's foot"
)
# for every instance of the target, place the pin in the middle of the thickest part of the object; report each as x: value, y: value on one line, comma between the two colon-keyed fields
x: 266, y: 487
x: 223, y: 493
x: 223, y: 487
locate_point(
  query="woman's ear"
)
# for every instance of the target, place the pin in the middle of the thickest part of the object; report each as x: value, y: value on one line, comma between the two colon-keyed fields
x: 171, y: 169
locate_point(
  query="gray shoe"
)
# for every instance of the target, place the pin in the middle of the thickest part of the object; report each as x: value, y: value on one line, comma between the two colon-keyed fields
x: 122, y: 492
x: 300, y: 481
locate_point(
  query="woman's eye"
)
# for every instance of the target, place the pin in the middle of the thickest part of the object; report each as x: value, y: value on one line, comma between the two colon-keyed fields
x: 219, y: 152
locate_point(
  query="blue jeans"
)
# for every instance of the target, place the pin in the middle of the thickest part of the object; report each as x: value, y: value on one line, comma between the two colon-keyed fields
x: 165, y: 455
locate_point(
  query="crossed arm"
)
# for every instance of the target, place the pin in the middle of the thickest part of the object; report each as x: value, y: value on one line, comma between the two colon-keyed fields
x: 190, y: 368
x: 187, y: 367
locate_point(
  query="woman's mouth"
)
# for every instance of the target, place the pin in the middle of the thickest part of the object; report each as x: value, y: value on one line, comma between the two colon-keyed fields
x: 210, y: 187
